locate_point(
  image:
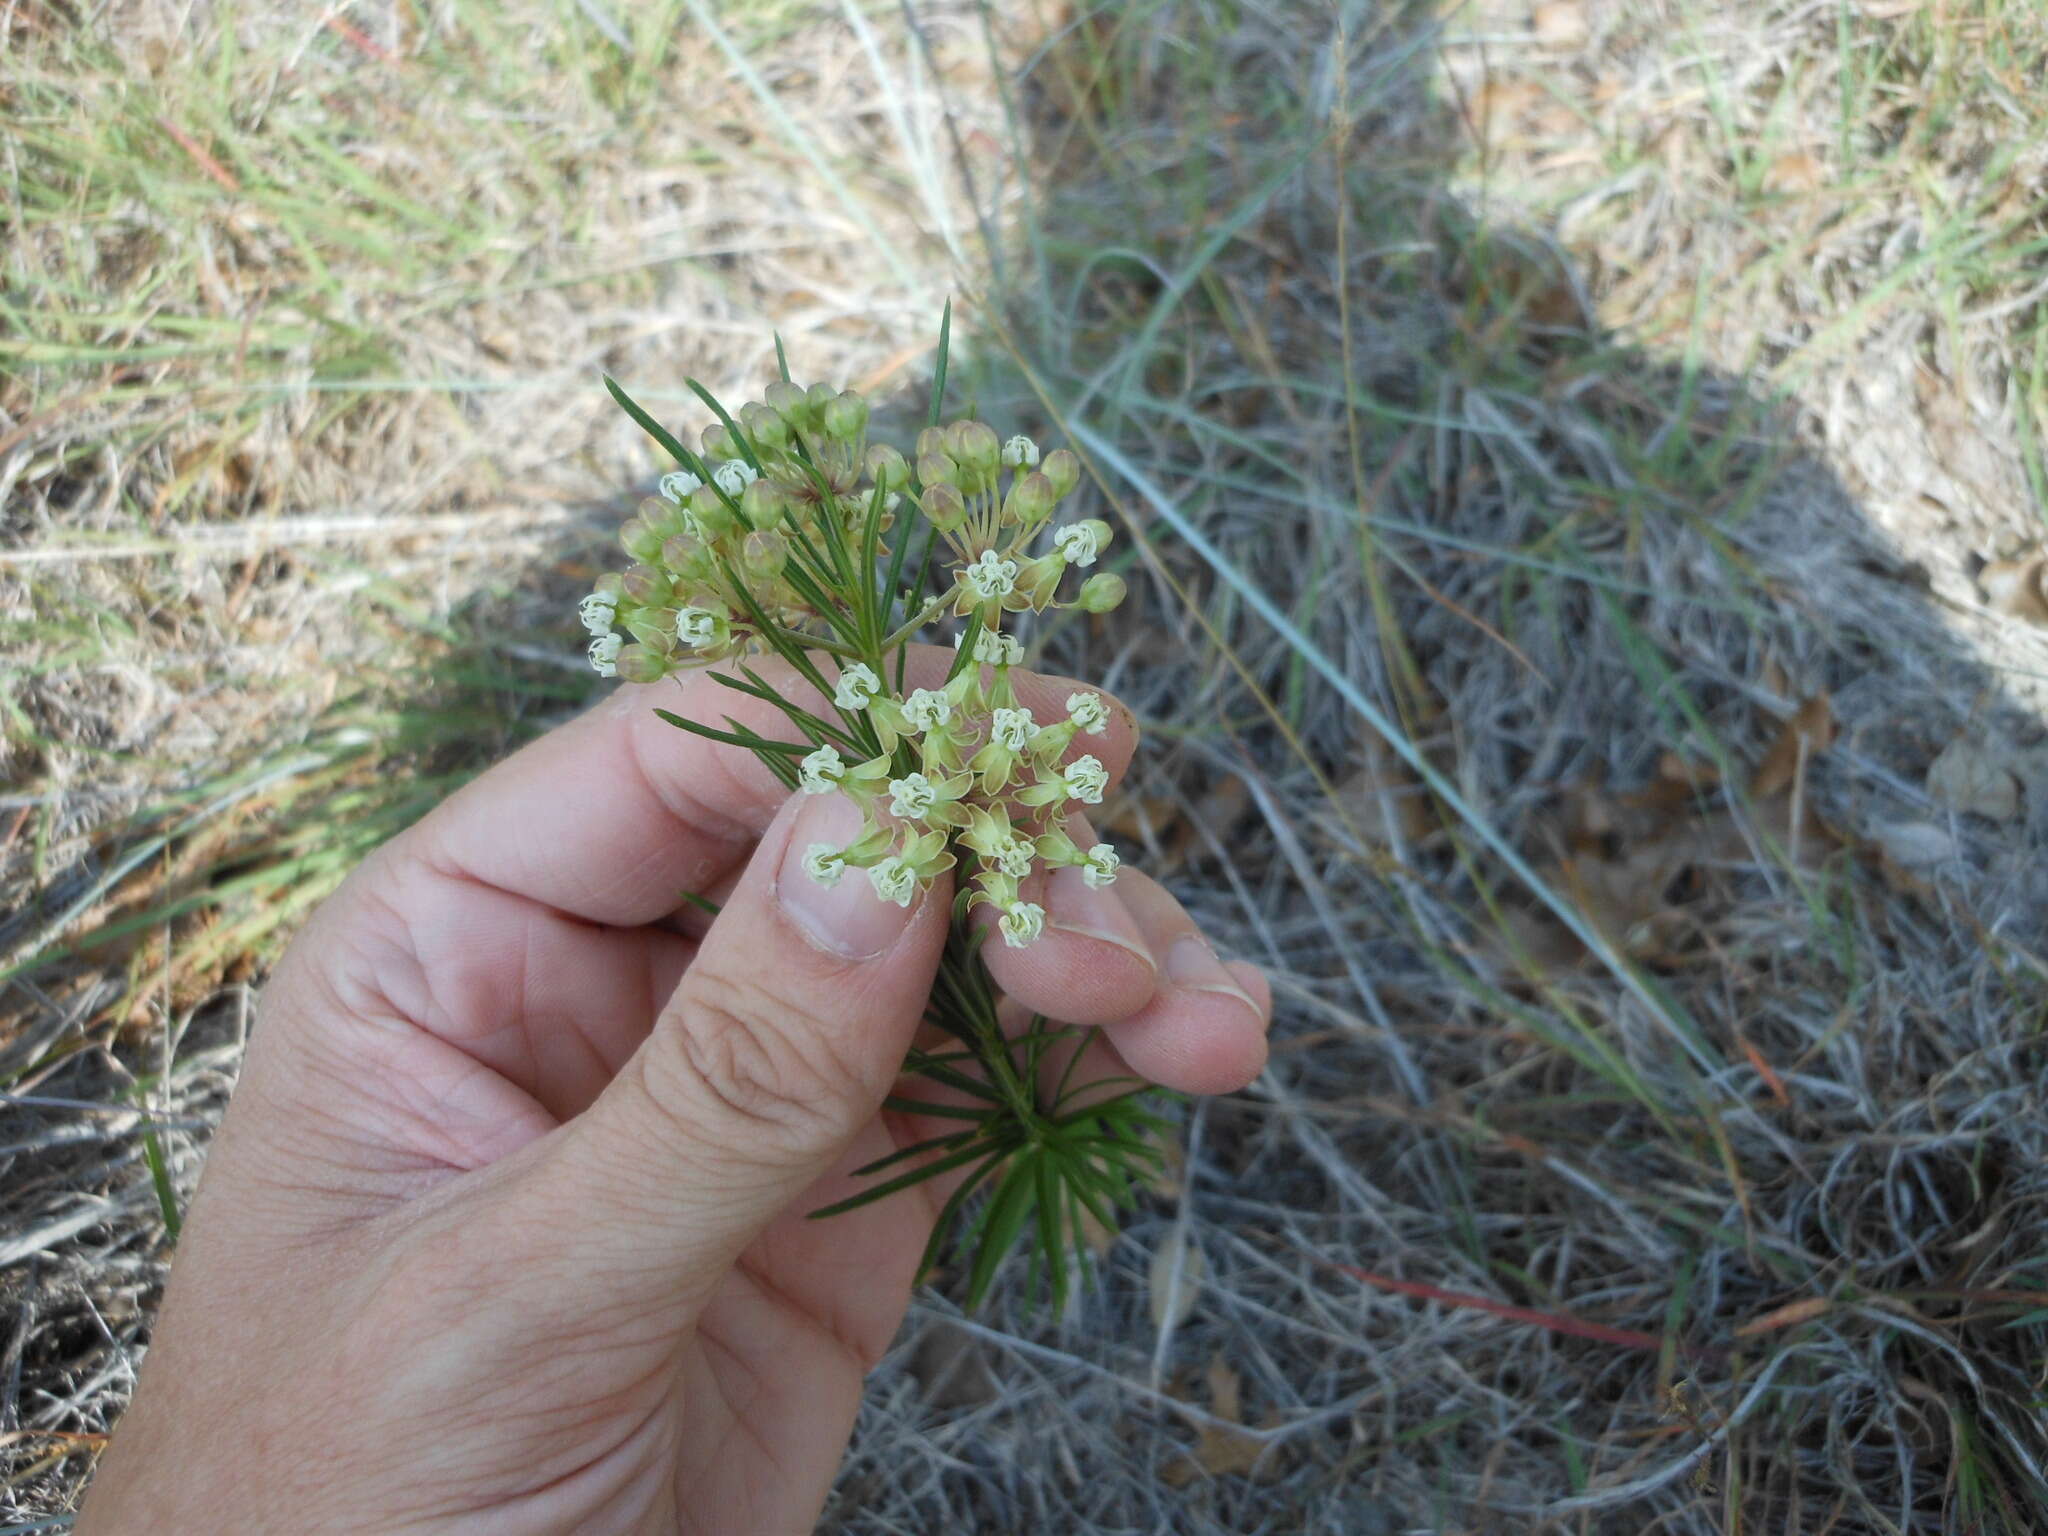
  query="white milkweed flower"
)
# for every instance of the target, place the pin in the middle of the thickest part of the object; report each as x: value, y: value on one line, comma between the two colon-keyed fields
x: 927, y: 709
x: 1014, y: 858
x: 697, y: 626
x: 1011, y: 729
x: 1020, y: 452
x: 1086, y: 779
x: 1088, y: 713
x: 1023, y: 922
x: 991, y: 576
x: 911, y: 796
x: 857, y: 687
x: 1078, y: 542
x: 1098, y: 866
x: 894, y: 880
x: 734, y: 476
x: 604, y: 655
x: 824, y: 863
x: 597, y: 612
x: 821, y: 771
x: 995, y: 650
x: 677, y: 485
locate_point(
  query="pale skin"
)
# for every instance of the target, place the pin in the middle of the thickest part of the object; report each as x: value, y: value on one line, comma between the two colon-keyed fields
x: 506, y: 1228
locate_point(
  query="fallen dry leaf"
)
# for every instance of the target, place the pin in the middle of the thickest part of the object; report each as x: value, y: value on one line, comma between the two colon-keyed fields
x: 1174, y: 1280
x: 1805, y: 1310
x: 2015, y: 587
x: 1810, y: 732
x: 1561, y: 23
x: 1222, y: 1450
x: 1969, y: 777
x: 1794, y: 172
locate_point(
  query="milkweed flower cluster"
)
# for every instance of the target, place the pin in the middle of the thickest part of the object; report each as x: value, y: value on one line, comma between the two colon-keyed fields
x: 785, y: 536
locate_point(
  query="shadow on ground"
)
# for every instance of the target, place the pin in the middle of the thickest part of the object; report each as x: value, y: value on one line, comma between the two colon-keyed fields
x: 1762, y: 1184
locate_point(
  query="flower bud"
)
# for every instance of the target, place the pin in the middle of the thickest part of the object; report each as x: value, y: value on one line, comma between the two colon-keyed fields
x: 1063, y: 470
x: 646, y: 585
x: 931, y: 440
x: 937, y: 469
x: 685, y: 554
x: 1039, y: 579
x: 785, y: 399
x: 1030, y: 501
x: 886, y: 467
x: 944, y: 505
x: 638, y: 664
x: 816, y: 398
x: 766, y: 427
x: 763, y: 554
x: 846, y: 417
x: 639, y: 540
x: 718, y: 443
x: 974, y: 446
x: 764, y: 504
x: 711, y: 512
x: 1100, y: 593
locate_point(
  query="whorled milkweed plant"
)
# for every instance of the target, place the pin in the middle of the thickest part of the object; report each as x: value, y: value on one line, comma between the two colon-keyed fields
x: 795, y: 535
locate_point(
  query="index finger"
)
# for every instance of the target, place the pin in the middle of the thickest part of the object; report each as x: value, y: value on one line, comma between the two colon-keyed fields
x: 617, y: 815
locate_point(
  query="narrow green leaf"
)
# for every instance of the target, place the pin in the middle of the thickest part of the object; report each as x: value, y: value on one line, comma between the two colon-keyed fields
x: 939, y: 366
x: 654, y: 429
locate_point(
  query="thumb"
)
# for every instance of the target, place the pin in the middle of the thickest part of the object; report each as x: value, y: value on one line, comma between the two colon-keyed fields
x: 787, y: 1031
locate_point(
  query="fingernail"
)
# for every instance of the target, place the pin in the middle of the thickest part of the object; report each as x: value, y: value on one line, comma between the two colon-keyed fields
x: 1192, y: 964
x: 1072, y: 905
x: 845, y: 919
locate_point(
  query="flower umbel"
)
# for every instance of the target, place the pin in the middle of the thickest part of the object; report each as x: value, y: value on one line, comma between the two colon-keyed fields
x: 789, y: 555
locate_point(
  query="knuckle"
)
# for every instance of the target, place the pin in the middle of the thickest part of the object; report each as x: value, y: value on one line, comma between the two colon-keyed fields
x: 756, y: 1063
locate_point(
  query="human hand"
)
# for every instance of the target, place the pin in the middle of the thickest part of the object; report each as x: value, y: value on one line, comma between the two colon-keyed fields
x: 506, y: 1228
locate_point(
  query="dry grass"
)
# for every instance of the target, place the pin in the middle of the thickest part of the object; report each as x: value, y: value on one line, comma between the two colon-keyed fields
x: 1528, y: 416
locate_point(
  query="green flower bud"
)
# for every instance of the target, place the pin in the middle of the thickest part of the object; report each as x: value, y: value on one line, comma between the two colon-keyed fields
x: 769, y: 431
x: 1100, y: 593
x: 764, y: 504
x: 1063, y: 470
x: 975, y: 446
x: 711, y: 512
x: 816, y: 398
x: 786, y: 400
x: 718, y: 443
x: 937, y: 469
x: 846, y: 417
x: 944, y: 505
x: 886, y: 467
x: 644, y: 584
x: 611, y: 584
x: 1030, y: 501
x: 638, y: 664
x: 931, y: 440
x: 763, y: 554
x: 640, y: 541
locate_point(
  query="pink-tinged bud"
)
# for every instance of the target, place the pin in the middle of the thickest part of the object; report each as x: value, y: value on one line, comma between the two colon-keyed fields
x: 639, y: 540
x: 974, y: 446
x: 763, y: 555
x: 931, y: 440
x: 944, y: 505
x: 1031, y: 500
x: 937, y: 469
x: 685, y: 554
x: 646, y: 585
x: 638, y: 664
